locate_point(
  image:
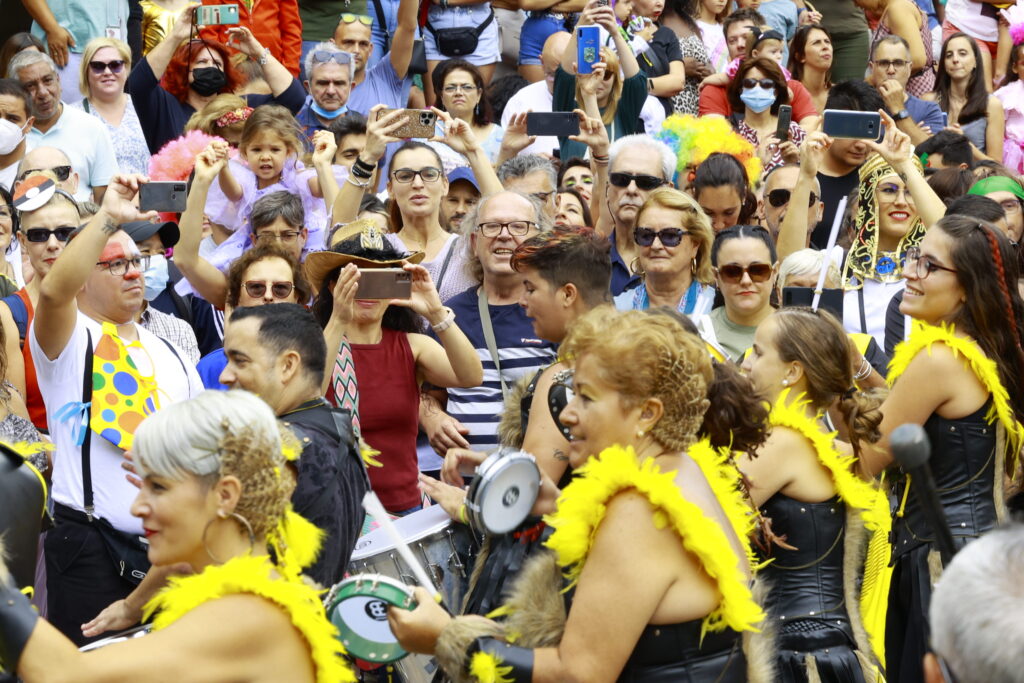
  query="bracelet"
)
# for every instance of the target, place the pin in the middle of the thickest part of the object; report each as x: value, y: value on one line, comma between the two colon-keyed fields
x: 464, y: 515
x: 364, y: 167
x: 362, y: 185
x: 264, y: 58
x: 448, y: 321
x: 863, y: 372
x: 360, y: 173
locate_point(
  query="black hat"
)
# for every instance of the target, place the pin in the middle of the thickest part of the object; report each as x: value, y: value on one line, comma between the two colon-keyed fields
x: 140, y: 231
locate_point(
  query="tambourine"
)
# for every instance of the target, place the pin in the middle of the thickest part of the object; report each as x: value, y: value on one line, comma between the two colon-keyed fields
x: 358, y: 606
x: 503, y: 491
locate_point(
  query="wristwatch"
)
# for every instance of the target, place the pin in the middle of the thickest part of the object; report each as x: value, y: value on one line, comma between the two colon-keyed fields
x: 901, y: 114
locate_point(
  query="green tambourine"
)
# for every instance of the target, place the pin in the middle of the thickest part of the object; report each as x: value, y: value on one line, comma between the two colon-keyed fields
x: 358, y: 606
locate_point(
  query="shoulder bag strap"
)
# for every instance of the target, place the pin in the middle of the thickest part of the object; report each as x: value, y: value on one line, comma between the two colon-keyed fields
x: 87, y: 441
x: 492, y: 345
x: 383, y: 24
x: 444, y: 265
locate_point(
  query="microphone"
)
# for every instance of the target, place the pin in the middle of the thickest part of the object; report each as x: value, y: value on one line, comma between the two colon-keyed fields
x: 911, y: 449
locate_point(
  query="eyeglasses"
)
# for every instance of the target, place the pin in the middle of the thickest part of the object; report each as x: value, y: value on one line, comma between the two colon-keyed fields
x: 515, y: 228
x: 894, y: 63
x: 338, y: 57
x: 456, y: 87
x: 62, y: 172
x: 348, y: 18
x: 733, y: 272
x: 669, y: 237
x: 779, y: 198
x: 766, y: 83
x: 116, y: 66
x: 643, y: 182
x: 278, y: 290
x: 921, y: 266
x: 405, y: 175
x: 119, y: 267
x: 40, y: 235
x: 287, y: 236
x: 1011, y: 205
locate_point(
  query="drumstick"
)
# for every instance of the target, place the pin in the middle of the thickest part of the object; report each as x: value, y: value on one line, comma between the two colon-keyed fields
x: 373, y: 507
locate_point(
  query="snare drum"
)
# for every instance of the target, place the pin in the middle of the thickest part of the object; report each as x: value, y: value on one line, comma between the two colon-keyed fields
x: 358, y: 606
x: 503, y: 491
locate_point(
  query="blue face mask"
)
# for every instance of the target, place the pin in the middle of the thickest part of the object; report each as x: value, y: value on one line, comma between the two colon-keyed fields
x: 757, y: 98
x: 324, y: 114
x: 156, y: 277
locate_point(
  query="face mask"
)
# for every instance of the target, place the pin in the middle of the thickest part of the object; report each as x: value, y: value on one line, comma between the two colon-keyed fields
x: 208, y: 80
x: 324, y: 114
x: 156, y: 277
x: 757, y: 98
x: 10, y: 136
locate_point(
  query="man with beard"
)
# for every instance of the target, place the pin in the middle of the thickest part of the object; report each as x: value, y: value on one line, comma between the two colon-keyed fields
x: 387, y: 82
x: 463, y: 195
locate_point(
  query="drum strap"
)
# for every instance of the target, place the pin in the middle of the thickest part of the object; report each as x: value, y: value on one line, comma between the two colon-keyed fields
x: 492, y: 344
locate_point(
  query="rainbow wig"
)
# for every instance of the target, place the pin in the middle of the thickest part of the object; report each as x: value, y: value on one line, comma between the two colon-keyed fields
x: 694, y: 139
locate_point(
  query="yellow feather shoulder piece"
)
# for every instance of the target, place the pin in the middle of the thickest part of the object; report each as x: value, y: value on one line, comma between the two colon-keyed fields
x: 727, y: 483
x: 923, y: 336
x: 257, y: 576
x: 854, y: 491
x: 583, y: 505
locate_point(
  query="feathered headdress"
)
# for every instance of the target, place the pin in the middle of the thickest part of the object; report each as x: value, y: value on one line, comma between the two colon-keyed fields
x: 177, y: 158
x: 695, y: 139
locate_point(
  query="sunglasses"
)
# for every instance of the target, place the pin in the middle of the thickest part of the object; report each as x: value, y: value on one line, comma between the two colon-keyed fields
x: 778, y: 198
x: 643, y: 182
x: 279, y: 290
x: 733, y: 272
x: 324, y: 56
x: 766, y: 83
x: 670, y: 237
x: 40, y: 235
x: 116, y: 66
x: 348, y: 18
x: 62, y: 173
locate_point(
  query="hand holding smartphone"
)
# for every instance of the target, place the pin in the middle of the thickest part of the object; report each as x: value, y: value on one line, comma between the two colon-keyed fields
x: 785, y: 118
x: 859, y: 125
x: 588, y: 48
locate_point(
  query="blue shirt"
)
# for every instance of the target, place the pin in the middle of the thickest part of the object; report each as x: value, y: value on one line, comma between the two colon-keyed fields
x: 86, y: 142
x: 209, y: 368
x: 622, y: 277
x: 925, y: 113
x: 781, y: 15
x: 381, y: 85
x: 87, y: 19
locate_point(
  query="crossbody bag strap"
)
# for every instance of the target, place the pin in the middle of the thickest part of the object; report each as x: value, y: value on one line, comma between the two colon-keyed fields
x: 444, y: 264
x: 860, y: 305
x: 492, y: 344
x: 383, y: 24
x: 87, y: 442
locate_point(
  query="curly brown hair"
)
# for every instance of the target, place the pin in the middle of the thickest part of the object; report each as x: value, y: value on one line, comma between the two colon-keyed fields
x: 261, y: 252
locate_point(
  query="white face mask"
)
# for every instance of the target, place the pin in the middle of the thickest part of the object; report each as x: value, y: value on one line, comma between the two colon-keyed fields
x: 10, y: 136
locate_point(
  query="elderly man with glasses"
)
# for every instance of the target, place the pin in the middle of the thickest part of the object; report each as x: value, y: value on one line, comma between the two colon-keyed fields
x: 890, y: 71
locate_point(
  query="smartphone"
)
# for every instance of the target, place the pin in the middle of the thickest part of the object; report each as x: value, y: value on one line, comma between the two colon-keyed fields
x: 588, y: 48
x: 384, y: 283
x: 420, y: 123
x: 602, y: 3
x: 560, y: 123
x: 862, y: 125
x: 831, y: 299
x: 209, y: 15
x: 163, y: 195
x: 785, y: 117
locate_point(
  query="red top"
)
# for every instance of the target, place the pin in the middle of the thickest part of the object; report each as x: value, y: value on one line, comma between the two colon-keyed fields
x: 714, y: 100
x: 33, y: 399
x: 389, y: 403
x: 275, y: 24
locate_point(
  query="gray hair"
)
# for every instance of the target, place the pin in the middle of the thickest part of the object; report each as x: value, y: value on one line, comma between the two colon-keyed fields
x: 891, y: 39
x: 808, y: 262
x: 982, y: 644
x: 327, y: 46
x: 280, y: 204
x: 27, y: 58
x: 468, y: 226
x: 658, y: 149
x: 184, y: 438
x: 525, y: 164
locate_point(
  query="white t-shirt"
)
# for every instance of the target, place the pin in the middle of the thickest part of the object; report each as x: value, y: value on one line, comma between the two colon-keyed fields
x: 7, y: 175
x: 966, y: 15
x: 534, y: 97
x: 876, y: 302
x: 60, y: 382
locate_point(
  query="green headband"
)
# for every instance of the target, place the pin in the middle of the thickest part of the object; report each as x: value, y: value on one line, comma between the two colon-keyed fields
x: 997, y: 183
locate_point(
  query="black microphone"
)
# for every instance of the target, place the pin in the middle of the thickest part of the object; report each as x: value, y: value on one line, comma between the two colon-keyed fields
x: 911, y: 449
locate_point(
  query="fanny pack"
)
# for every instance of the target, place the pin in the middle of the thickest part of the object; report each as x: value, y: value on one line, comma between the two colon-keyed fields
x: 128, y: 552
x: 458, y: 42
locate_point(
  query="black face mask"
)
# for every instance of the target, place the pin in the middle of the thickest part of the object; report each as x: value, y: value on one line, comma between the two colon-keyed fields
x: 208, y: 80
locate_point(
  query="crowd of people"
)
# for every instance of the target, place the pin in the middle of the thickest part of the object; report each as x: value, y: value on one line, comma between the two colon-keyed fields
x: 255, y: 270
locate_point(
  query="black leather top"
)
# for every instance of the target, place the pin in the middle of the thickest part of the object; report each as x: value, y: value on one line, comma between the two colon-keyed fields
x: 676, y: 653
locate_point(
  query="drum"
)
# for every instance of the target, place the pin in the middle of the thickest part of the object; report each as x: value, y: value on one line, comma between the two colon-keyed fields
x: 503, y: 491
x: 358, y: 606
x: 136, y: 632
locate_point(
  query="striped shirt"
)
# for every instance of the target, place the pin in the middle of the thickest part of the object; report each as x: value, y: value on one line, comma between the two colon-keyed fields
x: 520, y: 352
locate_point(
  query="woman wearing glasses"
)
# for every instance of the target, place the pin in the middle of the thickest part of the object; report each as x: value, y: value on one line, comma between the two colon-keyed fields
x: 106, y: 63
x: 745, y: 266
x: 459, y: 90
x: 758, y: 90
x: 959, y: 375
x: 673, y: 238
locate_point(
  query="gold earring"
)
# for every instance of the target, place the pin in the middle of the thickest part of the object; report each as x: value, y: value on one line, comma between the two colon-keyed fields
x: 639, y: 433
x: 785, y: 382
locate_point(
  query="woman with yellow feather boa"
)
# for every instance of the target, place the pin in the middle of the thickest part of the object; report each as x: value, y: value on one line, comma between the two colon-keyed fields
x: 215, y: 495
x: 651, y: 533
x: 818, y: 506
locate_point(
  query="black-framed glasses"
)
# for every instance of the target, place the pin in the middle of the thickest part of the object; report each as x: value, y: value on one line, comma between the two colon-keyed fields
x: 429, y: 174
x: 766, y: 83
x: 515, y: 228
x: 348, y: 18
x: 279, y: 290
x: 116, y: 66
x: 40, y: 235
x: 895, y: 63
x: 669, y: 237
x: 643, y: 181
x: 119, y: 267
x: 62, y: 172
x: 336, y: 56
x: 733, y: 272
x: 922, y: 266
x: 779, y: 198
x: 456, y: 87
x: 286, y: 236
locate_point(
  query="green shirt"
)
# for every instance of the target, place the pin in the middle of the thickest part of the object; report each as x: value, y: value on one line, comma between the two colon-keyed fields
x: 321, y: 17
x: 734, y: 339
x: 627, y: 114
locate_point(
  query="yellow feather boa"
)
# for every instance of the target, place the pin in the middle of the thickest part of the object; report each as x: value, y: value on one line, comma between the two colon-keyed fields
x: 296, y: 541
x: 923, y: 336
x: 486, y: 668
x: 583, y: 504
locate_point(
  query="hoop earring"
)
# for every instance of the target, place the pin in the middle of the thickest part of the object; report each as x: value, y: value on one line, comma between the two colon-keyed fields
x: 634, y: 266
x: 238, y: 518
